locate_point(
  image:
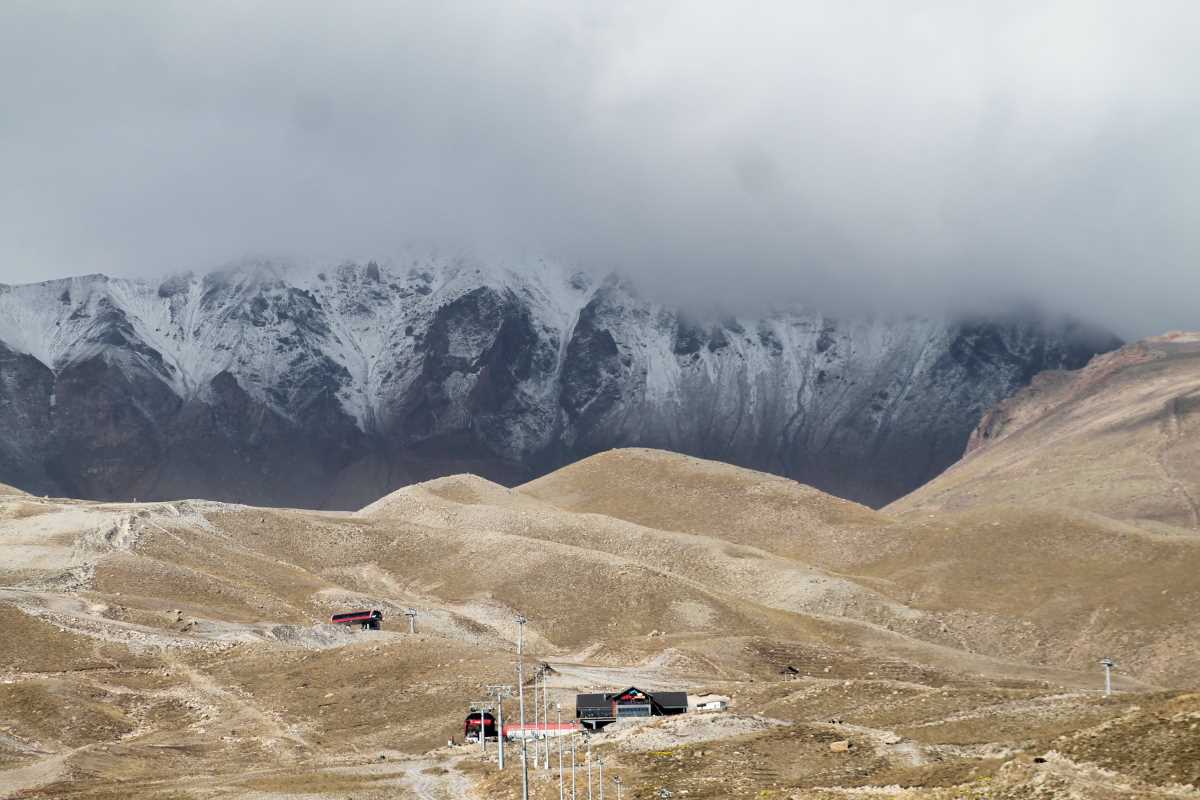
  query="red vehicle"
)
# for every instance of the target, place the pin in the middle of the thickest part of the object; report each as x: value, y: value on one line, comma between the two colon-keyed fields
x: 369, y: 620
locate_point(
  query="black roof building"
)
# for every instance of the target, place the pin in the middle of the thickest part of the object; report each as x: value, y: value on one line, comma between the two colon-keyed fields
x: 597, y: 710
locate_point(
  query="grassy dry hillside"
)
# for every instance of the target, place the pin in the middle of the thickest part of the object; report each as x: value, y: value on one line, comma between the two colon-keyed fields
x: 1041, y: 585
x: 176, y: 650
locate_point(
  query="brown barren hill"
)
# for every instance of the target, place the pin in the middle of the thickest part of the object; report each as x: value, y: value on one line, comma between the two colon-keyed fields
x: 1050, y: 586
x: 673, y: 492
x: 181, y: 649
x: 1120, y: 438
x: 588, y: 577
x: 1053, y: 586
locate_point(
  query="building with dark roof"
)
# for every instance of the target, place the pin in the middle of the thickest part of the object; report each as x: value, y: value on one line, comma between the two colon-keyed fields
x: 594, y: 711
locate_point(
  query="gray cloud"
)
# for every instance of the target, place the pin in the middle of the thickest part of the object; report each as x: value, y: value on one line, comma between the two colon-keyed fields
x: 854, y: 156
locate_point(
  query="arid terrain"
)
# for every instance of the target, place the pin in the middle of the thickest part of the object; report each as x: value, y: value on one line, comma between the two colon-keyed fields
x: 953, y: 639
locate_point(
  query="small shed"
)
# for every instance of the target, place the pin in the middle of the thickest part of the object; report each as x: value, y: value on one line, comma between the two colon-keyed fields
x: 708, y: 702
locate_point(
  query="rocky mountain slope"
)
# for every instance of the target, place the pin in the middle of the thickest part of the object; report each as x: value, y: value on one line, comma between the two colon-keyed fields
x: 329, y: 388
x: 1120, y: 437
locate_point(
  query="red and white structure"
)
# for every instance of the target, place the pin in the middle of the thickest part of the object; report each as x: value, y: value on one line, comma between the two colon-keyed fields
x: 366, y: 619
x: 540, y: 730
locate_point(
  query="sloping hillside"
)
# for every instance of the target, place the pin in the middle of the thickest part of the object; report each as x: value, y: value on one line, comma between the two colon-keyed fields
x: 1049, y: 585
x: 672, y: 492
x: 1120, y: 438
x: 187, y: 638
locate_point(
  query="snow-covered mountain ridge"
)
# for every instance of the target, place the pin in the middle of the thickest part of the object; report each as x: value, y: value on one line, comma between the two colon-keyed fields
x: 330, y: 387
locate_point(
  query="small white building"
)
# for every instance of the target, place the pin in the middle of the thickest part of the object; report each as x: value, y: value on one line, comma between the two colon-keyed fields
x: 708, y: 702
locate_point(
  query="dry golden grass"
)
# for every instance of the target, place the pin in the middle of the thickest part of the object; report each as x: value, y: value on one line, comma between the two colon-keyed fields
x: 671, y: 492
x: 32, y: 645
x: 23, y: 510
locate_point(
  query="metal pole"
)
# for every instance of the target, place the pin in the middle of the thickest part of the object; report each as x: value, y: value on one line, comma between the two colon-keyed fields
x: 521, y: 692
x: 546, y: 717
x: 558, y: 735
x: 573, y: 784
x: 537, y: 753
x: 500, y: 725
x: 541, y: 727
x: 482, y: 737
x: 589, y: 759
x: 601, y: 777
x: 617, y: 781
x: 544, y: 743
x: 545, y: 726
x: 1108, y: 665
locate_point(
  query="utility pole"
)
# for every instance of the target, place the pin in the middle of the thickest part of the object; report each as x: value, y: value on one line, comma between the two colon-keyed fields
x: 601, y: 758
x: 558, y: 736
x: 537, y: 728
x: 411, y: 613
x: 1108, y: 664
x: 521, y: 692
x: 545, y: 724
x: 573, y: 767
x: 500, y: 725
x: 617, y: 781
x: 542, y: 743
x: 501, y: 691
x: 546, y: 716
x: 589, y: 762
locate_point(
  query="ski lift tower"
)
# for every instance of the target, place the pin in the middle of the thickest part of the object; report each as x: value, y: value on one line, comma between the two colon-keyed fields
x: 501, y: 691
x: 411, y: 613
x: 1108, y: 665
x: 521, y: 621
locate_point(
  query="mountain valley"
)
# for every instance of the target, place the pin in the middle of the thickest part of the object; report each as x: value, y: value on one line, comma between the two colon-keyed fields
x: 953, y: 639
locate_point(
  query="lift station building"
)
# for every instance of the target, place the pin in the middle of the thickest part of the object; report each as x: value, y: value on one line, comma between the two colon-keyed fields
x: 594, y: 711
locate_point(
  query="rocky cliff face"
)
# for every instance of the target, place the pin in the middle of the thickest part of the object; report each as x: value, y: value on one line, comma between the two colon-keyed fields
x: 330, y: 388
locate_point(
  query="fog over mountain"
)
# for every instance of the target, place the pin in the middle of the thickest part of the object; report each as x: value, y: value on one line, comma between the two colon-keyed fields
x: 918, y: 156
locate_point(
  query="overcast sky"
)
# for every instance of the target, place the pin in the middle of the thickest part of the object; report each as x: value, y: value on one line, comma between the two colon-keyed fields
x: 897, y: 155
